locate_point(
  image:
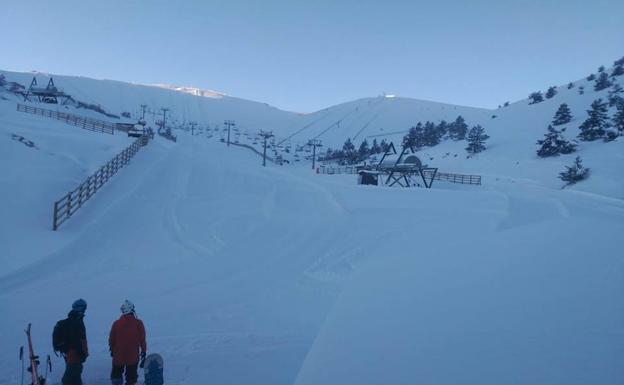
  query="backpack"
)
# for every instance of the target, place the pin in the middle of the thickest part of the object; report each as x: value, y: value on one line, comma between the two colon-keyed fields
x: 59, y: 336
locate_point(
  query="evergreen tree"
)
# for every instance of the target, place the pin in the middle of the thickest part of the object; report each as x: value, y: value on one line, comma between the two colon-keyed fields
x: 554, y: 144
x: 614, y: 95
x: 601, y: 69
x: 570, y: 85
x: 430, y: 134
x: 562, y: 116
x: 581, y: 90
x: 458, y: 129
x: 384, y: 146
x: 618, y: 119
x: 552, y: 91
x: 442, y: 128
x: 536, y: 97
x: 591, y: 77
x: 415, y: 137
x: 574, y: 173
x: 618, y: 62
x: 602, y: 82
x: 349, y: 153
x: 506, y: 104
x: 375, y: 148
x: 596, y: 124
x: 618, y: 70
x: 476, y: 139
x: 2, y: 81
x: 363, y: 151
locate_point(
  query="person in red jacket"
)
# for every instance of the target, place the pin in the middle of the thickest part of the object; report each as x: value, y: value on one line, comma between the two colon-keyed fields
x: 127, y: 345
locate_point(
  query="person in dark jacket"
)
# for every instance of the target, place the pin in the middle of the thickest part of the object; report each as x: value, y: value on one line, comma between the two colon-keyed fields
x: 76, y: 350
x: 127, y: 345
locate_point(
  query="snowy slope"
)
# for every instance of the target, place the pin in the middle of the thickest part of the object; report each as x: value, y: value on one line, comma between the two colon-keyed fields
x: 381, y: 117
x: 118, y: 97
x: 277, y: 275
x: 32, y: 178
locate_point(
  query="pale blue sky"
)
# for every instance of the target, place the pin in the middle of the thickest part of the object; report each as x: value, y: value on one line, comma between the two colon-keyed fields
x: 307, y: 55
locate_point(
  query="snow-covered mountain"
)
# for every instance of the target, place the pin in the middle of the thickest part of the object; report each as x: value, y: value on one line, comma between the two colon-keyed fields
x: 278, y: 275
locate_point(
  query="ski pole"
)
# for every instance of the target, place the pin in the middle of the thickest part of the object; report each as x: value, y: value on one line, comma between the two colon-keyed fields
x: 22, y: 359
x: 48, y: 367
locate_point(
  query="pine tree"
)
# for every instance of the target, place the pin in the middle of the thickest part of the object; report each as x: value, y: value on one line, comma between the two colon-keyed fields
x: 506, y: 104
x: 562, y: 116
x: 375, y: 148
x: 349, y: 153
x: 414, y: 137
x: 591, y: 77
x: 476, y: 139
x: 385, y: 146
x: 596, y: 124
x: 619, y: 61
x: 575, y: 173
x: 363, y: 151
x: 581, y: 90
x: 536, y: 97
x: 602, y: 82
x: 570, y: 85
x: 614, y: 95
x: 458, y: 129
x: 554, y: 144
x: 430, y: 134
x: 2, y: 81
x: 442, y: 128
x: 601, y: 69
x: 618, y: 119
x: 618, y: 70
x: 552, y: 91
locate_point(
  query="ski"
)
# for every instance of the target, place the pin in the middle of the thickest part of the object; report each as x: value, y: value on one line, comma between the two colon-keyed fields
x: 34, y: 362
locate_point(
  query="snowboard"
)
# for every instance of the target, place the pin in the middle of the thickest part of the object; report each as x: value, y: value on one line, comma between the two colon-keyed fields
x: 153, y: 369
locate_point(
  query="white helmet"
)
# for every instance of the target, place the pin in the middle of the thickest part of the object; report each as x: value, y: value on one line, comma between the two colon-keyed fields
x: 127, y: 307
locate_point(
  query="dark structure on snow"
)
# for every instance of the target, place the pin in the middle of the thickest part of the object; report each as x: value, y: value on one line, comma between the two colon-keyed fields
x: 50, y: 94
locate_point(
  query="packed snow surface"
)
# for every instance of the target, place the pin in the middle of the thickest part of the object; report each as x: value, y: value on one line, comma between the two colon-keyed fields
x: 277, y: 275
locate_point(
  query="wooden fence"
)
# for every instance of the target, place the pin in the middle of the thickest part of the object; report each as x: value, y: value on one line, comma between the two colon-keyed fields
x: 67, y: 206
x: 331, y: 170
x: 71, y: 119
x: 457, y: 178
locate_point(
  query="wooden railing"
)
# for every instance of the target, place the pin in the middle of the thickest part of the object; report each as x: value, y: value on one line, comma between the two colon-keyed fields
x: 457, y: 178
x: 67, y: 206
x: 331, y: 170
x: 71, y: 119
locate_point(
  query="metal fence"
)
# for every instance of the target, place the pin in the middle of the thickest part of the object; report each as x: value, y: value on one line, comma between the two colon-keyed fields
x: 71, y: 119
x: 67, y: 206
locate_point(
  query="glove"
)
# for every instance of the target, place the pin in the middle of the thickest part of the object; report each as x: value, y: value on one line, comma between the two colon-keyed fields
x: 142, y: 363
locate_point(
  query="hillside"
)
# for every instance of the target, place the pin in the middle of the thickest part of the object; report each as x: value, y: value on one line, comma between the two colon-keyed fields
x: 278, y: 275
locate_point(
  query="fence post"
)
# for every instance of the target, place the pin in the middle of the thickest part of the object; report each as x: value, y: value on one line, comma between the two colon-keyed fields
x: 69, y: 204
x: 54, y: 225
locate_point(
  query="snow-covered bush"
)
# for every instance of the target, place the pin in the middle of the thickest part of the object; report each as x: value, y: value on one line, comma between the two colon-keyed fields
x: 574, y: 173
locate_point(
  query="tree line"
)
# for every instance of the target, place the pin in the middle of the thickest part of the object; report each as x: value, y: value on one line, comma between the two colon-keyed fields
x: 421, y: 135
